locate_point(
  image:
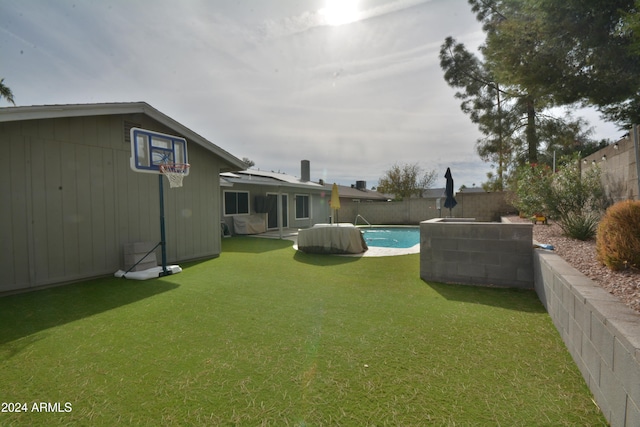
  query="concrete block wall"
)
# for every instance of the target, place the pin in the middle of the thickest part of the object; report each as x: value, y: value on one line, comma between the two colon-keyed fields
x: 477, y: 253
x: 481, y: 206
x: 618, y: 166
x: 601, y: 333
x: 403, y: 212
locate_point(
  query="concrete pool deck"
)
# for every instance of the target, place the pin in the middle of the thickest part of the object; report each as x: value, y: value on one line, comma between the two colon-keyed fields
x: 373, y: 251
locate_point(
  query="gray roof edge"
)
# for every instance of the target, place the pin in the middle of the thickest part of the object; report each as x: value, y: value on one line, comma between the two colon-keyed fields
x: 235, y: 163
x: 53, y: 111
x: 275, y: 183
x: 9, y: 114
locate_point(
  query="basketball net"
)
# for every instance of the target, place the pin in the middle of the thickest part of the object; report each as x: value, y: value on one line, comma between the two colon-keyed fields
x: 174, y: 173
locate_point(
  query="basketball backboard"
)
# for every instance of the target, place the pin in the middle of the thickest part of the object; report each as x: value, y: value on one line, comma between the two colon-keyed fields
x: 150, y: 149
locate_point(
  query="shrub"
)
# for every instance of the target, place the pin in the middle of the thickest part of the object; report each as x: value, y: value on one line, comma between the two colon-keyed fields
x: 532, y: 185
x: 574, y: 198
x: 575, y: 193
x: 581, y: 226
x: 577, y: 200
x: 618, y: 237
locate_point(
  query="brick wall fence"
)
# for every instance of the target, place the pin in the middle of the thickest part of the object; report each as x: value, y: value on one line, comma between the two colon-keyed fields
x: 481, y: 206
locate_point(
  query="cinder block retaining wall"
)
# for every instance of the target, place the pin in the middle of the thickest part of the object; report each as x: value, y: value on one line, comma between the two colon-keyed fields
x: 601, y: 333
x: 481, y: 253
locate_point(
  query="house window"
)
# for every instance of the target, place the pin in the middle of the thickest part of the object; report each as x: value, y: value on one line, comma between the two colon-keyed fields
x: 302, y: 206
x: 236, y: 202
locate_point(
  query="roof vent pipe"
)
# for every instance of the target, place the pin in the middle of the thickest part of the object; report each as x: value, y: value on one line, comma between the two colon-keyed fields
x: 305, y: 171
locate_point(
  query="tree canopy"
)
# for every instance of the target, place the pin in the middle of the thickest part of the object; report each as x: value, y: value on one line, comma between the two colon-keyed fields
x: 6, y: 93
x: 248, y: 162
x: 406, y: 180
x: 574, y: 51
x: 539, y: 55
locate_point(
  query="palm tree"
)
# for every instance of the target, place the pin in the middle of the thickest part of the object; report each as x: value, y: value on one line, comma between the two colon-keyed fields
x: 6, y: 93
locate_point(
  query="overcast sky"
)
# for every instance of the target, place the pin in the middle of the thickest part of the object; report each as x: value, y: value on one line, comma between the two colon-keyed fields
x: 351, y: 86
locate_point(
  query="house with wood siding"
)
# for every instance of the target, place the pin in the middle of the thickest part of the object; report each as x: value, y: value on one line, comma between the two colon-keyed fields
x: 71, y: 201
x: 255, y: 201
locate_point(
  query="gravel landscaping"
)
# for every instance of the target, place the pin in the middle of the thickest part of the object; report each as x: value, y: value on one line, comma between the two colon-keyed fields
x: 582, y: 256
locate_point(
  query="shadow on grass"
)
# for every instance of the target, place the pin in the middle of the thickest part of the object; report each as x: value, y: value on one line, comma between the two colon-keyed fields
x: 253, y: 245
x: 196, y: 262
x: 24, y: 314
x: 508, y: 298
x: 323, y: 259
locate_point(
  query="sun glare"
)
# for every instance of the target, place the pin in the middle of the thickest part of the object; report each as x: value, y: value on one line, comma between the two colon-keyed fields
x: 340, y: 12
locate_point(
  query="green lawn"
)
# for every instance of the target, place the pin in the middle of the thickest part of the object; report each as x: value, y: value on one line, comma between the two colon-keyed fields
x: 264, y: 335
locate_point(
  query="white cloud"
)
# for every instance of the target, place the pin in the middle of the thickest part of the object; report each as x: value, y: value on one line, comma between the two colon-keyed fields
x: 267, y: 80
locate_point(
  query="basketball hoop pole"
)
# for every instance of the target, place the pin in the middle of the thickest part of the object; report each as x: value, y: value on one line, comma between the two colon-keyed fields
x: 163, y: 242
x: 158, y: 153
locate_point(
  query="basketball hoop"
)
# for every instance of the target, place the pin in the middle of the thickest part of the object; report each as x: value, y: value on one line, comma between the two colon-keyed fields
x: 174, y: 173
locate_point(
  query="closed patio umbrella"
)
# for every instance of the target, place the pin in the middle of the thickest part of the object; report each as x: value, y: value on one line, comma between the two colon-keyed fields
x: 450, y: 201
x: 335, y: 201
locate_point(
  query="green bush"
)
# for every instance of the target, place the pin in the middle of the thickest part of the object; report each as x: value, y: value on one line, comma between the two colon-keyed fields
x: 581, y: 226
x: 574, y: 193
x: 577, y: 200
x: 618, y: 237
x: 533, y: 183
x: 574, y: 198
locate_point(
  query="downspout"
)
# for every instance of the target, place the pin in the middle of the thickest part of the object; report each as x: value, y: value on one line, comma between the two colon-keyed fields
x: 310, y: 206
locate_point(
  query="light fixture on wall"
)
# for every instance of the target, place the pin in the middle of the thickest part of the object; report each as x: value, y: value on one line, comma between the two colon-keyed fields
x: 584, y: 161
x: 604, y: 157
x: 593, y: 162
x: 616, y: 146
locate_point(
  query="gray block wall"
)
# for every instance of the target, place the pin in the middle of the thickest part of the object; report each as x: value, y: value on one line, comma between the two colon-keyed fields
x: 482, y: 206
x: 477, y: 253
x: 601, y: 333
x: 619, y: 173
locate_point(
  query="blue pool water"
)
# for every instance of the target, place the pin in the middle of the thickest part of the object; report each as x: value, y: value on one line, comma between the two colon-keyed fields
x: 391, y: 237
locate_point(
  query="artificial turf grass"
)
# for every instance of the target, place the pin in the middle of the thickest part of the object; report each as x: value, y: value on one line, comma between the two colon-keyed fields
x: 264, y: 335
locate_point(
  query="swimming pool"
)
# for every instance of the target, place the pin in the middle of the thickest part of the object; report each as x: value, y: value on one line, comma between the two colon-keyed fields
x: 391, y: 237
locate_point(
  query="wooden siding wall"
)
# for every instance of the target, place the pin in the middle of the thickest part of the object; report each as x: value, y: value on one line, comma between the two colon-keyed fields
x: 71, y: 201
x: 319, y: 203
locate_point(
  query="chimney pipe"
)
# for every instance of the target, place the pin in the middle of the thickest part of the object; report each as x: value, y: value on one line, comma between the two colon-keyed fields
x: 305, y: 171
